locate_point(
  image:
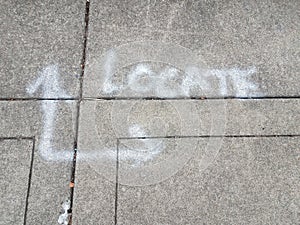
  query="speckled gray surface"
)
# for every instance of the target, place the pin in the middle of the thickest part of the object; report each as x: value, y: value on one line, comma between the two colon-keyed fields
x: 50, y: 178
x: 253, y: 181
x: 224, y: 34
x: 110, y: 119
x: 94, y: 197
x: 35, y: 35
x: 187, y: 49
x: 102, y: 122
x: 15, y: 169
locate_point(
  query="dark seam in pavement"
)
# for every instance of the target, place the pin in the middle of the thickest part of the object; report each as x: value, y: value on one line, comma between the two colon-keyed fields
x: 29, y: 180
x: 30, y: 170
x: 192, y: 98
x: 38, y: 99
x: 17, y: 138
x: 86, y: 21
x: 117, y: 184
x: 213, y: 136
x: 146, y: 98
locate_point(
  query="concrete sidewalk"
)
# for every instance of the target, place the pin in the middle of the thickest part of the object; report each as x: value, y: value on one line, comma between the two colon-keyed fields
x: 150, y: 112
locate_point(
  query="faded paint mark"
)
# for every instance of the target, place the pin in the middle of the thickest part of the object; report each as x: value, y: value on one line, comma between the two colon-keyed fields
x: 171, y: 82
x: 141, y: 79
x: 147, y: 149
x: 109, y: 67
x: 48, y: 81
x: 65, y: 216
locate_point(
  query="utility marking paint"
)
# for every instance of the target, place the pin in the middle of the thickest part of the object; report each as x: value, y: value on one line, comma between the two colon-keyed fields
x: 48, y: 81
x: 143, y: 79
x: 152, y: 69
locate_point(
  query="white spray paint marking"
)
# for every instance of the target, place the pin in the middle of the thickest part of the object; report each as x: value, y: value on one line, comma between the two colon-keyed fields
x: 136, y: 131
x: 48, y: 80
x: 243, y: 86
x: 64, y: 217
x: 147, y: 149
x: 193, y: 78
x: 221, y: 75
x: 165, y: 83
x: 140, y: 79
x: 109, y: 67
x: 238, y: 78
x: 49, y: 83
x: 150, y: 147
x: 169, y: 82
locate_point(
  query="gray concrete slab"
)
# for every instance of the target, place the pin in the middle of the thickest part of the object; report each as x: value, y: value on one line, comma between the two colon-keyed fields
x: 253, y: 181
x: 94, y: 197
x: 114, y: 69
x: 16, y: 156
x: 35, y: 36
x: 160, y: 118
x: 51, y: 123
x: 276, y: 70
x: 163, y: 160
x: 150, y: 141
x: 115, y: 13
x: 228, y: 38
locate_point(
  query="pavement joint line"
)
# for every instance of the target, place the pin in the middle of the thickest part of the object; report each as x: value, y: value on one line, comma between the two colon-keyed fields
x: 146, y: 98
x: 30, y: 169
x: 191, y: 98
x: 39, y: 99
x: 29, y: 181
x: 211, y: 136
x: 73, y: 169
x: 176, y: 137
x: 117, y: 184
x: 17, y: 138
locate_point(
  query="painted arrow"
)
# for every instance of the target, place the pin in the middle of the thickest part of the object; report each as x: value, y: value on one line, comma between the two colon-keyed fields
x: 48, y: 82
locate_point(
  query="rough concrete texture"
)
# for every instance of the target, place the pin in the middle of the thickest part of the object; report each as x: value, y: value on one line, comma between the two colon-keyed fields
x: 252, y: 181
x: 15, y: 167
x: 38, y: 34
x: 224, y: 34
x: 109, y: 126
x: 162, y: 145
x: 111, y: 119
x: 94, y: 197
x: 50, y: 177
